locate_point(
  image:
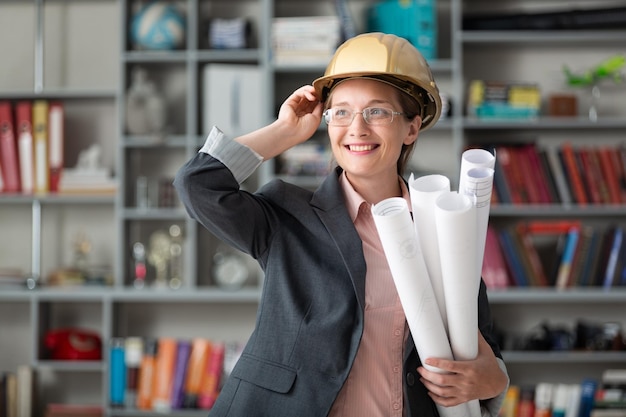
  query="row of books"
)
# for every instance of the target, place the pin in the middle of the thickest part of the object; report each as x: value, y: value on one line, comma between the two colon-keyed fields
x: 17, y: 394
x: 566, y: 174
x: 590, y: 398
x: 32, y: 154
x: 31, y: 146
x: 167, y: 374
x: 559, y: 254
x: 503, y: 100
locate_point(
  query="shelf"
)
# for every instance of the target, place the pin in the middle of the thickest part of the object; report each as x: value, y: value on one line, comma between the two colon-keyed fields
x: 139, y: 413
x: 556, y: 210
x: 131, y: 295
x: 60, y: 94
x: 550, y: 296
x: 155, y: 141
x: 548, y: 123
x: 153, y: 214
x: 563, y: 357
x: 95, y: 198
x: 546, y: 38
x: 72, y: 366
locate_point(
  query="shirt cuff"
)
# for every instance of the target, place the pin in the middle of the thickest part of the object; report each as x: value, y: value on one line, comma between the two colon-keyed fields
x: 239, y: 159
x: 491, y: 407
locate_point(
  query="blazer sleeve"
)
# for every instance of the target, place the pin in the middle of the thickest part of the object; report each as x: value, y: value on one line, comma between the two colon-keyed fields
x: 211, y: 194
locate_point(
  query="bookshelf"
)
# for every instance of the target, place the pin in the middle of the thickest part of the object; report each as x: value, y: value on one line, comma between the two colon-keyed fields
x: 200, y: 307
x: 537, y: 56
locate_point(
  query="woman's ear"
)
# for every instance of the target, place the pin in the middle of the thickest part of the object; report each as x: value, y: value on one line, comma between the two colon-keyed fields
x: 414, y: 129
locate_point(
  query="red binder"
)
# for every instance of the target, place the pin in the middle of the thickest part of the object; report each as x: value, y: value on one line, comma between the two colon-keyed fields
x: 8, y: 151
x: 23, y: 113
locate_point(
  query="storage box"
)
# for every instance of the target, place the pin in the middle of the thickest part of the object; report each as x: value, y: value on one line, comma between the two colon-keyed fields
x: 232, y: 98
x: 414, y: 20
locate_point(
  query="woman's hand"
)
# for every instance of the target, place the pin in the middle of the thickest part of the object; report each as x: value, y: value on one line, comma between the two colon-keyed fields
x: 302, y: 112
x: 298, y: 119
x: 480, y: 378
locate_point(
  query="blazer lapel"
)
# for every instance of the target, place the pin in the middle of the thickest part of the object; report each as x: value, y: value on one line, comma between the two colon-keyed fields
x: 328, y: 203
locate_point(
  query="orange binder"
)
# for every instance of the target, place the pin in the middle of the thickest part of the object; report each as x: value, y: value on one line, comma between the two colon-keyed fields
x: 164, y: 374
x: 210, y: 385
x: 8, y: 149
x: 23, y: 112
x: 200, y: 352
x: 55, y: 144
x: 40, y: 145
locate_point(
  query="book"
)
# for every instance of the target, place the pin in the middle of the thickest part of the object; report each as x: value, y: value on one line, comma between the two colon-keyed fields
x: 510, y: 402
x: 582, y: 256
x: 163, y: 377
x: 200, y: 352
x: 133, y: 352
x: 526, y: 404
x: 500, y: 184
x: 535, y: 178
x: 598, y: 274
x: 117, y: 377
x: 556, y: 169
x: 494, y: 270
x: 550, y: 181
x: 511, y: 255
x: 26, y: 391
x: 506, y: 162
x: 573, y: 405
x: 544, y: 395
x: 9, y: 394
x: 56, y: 142
x: 535, y: 265
x: 593, y: 252
x: 23, y: 117
x: 610, y: 172
x: 588, y: 388
x: 612, y: 261
x: 565, y: 268
x: 572, y: 173
x: 40, y: 145
x: 8, y: 149
x: 589, y: 175
x: 210, y: 385
x: 183, y: 352
x: 560, y: 400
x: 540, y: 176
x: 147, y: 374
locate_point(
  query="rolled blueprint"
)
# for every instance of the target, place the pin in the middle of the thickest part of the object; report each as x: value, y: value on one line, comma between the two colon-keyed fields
x: 474, y: 158
x: 455, y: 218
x: 424, y: 192
x: 478, y: 186
x: 476, y: 181
x: 408, y: 269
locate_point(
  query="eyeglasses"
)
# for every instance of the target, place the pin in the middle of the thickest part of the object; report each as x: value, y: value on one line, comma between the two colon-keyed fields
x: 341, y: 116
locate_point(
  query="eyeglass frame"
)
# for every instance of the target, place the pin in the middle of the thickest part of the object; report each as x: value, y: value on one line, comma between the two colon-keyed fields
x: 327, y: 115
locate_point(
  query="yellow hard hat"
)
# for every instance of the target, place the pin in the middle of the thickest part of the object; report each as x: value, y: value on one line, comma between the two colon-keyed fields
x: 387, y: 58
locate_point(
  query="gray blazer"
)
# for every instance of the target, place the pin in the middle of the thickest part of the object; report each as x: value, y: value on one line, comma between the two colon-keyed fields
x: 310, y: 318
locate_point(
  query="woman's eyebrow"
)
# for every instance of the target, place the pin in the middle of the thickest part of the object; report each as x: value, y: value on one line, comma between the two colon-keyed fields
x: 369, y: 103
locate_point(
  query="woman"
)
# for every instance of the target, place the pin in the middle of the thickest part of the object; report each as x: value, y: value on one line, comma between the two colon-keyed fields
x: 331, y: 338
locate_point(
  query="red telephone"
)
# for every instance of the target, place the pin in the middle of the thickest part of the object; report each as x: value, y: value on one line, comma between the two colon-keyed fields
x: 73, y: 344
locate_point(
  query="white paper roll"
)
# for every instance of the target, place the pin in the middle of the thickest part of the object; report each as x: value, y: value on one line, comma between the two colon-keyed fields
x: 408, y: 269
x: 455, y: 216
x: 478, y: 186
x: 424, y: 192
x: 473, y: 158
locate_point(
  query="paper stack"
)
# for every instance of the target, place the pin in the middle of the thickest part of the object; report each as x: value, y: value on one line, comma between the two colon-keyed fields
x: 310, y: 40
